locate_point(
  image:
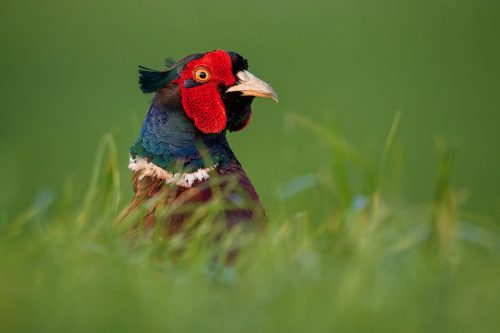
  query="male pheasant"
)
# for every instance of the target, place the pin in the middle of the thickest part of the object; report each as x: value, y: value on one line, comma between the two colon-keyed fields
x: 181, y: 159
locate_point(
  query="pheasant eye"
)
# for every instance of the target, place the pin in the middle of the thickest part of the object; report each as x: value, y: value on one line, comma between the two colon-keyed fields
x: 201, y: 75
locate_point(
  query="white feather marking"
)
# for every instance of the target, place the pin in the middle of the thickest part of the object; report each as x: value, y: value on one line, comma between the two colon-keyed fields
x: 149, y: 169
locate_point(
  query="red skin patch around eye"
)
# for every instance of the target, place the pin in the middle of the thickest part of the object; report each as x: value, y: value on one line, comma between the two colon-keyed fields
x: 203, y: 103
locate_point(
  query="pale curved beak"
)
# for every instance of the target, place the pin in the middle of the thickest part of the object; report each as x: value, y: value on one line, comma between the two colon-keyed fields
x: 250, y: 85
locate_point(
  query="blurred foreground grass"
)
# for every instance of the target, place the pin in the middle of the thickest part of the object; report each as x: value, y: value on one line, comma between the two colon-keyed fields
x: 331, y: 260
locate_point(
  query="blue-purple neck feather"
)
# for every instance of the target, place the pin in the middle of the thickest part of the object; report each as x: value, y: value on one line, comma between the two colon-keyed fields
x: 169, y: 139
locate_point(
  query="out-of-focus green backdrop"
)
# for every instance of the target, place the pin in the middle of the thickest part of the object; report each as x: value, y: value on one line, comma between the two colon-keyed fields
x: 68, y: 75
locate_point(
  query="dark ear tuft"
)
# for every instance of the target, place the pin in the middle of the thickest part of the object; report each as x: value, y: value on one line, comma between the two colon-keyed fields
x: 170, y: 62
x: 151, y: 80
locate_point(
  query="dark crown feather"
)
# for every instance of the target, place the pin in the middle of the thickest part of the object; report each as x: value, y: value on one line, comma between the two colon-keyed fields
x: 151, y: 80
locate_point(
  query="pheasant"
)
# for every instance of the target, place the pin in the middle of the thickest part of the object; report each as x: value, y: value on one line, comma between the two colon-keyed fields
x: 182, y: 158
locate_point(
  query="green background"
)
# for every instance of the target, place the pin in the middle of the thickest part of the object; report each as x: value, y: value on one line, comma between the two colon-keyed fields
x: 401, y: 258
x: 69, y: 75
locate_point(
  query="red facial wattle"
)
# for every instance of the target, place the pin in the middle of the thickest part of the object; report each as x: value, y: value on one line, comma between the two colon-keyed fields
x: 202, y: 102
